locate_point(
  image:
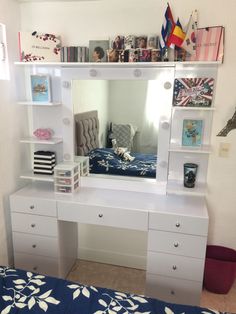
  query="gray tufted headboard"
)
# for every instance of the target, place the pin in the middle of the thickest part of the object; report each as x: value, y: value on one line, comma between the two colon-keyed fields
x: 86, y: 132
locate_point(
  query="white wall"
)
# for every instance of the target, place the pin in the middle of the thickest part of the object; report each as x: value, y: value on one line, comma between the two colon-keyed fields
x: 93, y: 95
x: 9, y: 130
x: 77, y: 22
x: 129, y: 103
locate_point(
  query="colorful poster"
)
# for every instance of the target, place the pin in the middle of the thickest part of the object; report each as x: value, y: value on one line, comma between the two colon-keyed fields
x: 193, y: 92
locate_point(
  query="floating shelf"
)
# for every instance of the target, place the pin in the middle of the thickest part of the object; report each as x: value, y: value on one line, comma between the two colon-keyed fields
x: 193, y: 108
x: 119, y: 64
x: 177, y: 187
x: 34, y: 140
x: 204, y: 149
x: 38, y: 103
x: 37, y: 177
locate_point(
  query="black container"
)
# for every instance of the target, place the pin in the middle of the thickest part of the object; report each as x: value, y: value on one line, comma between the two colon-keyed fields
x: 190, y: 173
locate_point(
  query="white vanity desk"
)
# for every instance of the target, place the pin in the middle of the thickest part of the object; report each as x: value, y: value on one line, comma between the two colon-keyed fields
x: 44, y: 224
x: 45, y: 233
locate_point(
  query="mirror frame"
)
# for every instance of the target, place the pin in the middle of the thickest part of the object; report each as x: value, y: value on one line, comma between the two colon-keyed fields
x: 105, y: 71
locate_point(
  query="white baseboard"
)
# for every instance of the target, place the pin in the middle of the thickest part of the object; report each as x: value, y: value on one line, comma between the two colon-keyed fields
x: 114, y: 258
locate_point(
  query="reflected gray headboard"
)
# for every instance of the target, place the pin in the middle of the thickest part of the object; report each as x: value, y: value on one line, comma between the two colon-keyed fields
x: 86, y: 132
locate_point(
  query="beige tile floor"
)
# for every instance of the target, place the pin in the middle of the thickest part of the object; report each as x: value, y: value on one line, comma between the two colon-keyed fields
x: 133, y: 281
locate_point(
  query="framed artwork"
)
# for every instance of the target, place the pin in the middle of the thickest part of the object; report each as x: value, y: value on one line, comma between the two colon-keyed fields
x: 98, y: 50
x: 192, y: 132
x: 40, y: 88
x: 193, y: 92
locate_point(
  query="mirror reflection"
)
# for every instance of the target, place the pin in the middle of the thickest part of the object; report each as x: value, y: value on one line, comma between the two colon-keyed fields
x: 116, y: 125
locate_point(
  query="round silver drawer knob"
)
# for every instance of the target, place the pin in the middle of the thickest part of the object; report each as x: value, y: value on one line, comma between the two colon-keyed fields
x: 100, y: 215
x: 35, y: 268
x: 34, y: 246
x: 174, y: 267
x: 177, y: 224
x: 172, y: 292
x: 33, y: 225
x: 31, y: 206
x: 176, y: 244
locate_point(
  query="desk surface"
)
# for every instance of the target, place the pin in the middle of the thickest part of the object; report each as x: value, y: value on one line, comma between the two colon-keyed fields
x: 173, y: 204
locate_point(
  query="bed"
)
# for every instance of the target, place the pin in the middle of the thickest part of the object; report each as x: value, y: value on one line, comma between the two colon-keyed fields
x: 105, y: 160
x: 24, y: 292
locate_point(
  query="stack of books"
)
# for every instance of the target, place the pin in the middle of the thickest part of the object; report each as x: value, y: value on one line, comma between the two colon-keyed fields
x: 74, y: 54
x: 44, y: 162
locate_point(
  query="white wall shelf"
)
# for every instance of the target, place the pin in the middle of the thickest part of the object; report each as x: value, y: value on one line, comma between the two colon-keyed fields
x: 119, y: 64
x: 177, y: 187
x: 37, y: 103
x: 193, y: 108
x: 37, y: 177
x: 34, y: 140
x: 179, y: 154
x: 204, y: 149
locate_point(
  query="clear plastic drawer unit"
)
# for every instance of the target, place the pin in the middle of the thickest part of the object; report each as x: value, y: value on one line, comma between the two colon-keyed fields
x: 66, y: 177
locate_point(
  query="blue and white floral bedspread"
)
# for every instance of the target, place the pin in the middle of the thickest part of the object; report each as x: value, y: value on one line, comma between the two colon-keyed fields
x: 104, y: 160
x: 24, y: 292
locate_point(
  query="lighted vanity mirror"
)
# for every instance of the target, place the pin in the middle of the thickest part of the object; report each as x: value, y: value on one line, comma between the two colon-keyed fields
x: 126, y: 111
x: 136, y: 101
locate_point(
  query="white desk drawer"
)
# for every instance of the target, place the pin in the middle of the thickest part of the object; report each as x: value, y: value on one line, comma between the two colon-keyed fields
x: 178, y: 223
x: 34, y: 244
x: 40, y: 264
x: 33, y: 206
x: 177, y: 243
x: 107, y: 216
x: 175, y: 266
x: 173, y: 290
x: 46, y: 226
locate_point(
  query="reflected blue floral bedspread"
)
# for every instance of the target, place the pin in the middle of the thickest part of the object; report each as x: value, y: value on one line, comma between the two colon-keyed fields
x: 105, y: 161
x: 24, y: 292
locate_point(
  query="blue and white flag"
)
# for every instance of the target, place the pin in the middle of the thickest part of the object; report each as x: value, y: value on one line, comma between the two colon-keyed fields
x: 167, y: 27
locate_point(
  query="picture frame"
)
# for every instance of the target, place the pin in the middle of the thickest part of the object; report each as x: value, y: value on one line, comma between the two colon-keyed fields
x: 40, y: 88
x: 193, y: 92
x: 192, y: 133
x: 98, y: 50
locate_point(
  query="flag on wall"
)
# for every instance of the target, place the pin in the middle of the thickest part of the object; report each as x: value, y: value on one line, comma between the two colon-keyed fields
x: 177, y: 36
x: 167, y: 27
x: 189, y: 43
